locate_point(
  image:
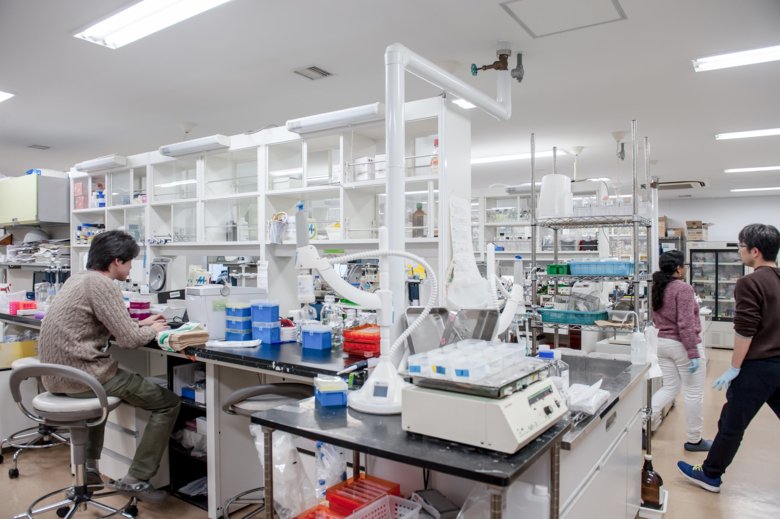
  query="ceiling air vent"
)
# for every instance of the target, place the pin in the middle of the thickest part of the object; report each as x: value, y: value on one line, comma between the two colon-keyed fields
x: 39, y: 147
x: 680, y: 184
x: 314, y: 72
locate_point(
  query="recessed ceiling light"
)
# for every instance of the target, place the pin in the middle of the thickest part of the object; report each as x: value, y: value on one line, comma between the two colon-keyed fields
x: 745, y: 190
x: 518, y: 156
x: 464, y: 104
x: 737, y: 59
x: 747, y: 134
x: 752, y: 170
x: 142, y: 19
x: 4, y: 96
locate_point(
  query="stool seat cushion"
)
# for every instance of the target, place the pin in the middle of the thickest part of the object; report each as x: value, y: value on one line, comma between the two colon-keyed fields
x: 262, y: 403
x: 63, y: 408
x: 25, y: 361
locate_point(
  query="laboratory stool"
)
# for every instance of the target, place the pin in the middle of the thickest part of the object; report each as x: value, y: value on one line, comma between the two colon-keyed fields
x: 77, y: 415
x: 247, y: 401
x: 39, y: 437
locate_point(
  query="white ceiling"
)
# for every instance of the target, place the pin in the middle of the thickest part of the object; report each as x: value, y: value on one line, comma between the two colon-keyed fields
x: 229, y: 70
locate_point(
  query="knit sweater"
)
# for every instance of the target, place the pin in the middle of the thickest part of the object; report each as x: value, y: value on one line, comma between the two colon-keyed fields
x: 85, y: 313
x: 678, y: 317
x: 758, y: 312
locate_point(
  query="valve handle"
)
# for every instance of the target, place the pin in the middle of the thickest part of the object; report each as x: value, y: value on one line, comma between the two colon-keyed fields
x: 474, y: 69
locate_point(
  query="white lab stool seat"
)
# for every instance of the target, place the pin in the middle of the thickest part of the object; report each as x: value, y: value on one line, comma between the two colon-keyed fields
x: 32, y: 438
x: 245, y: 402
x: 78, y: 415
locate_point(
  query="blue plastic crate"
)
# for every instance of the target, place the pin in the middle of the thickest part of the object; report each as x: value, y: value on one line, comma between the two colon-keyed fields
x: 601, y: 268
x: 268, y: 333
x: 550, y: 315
x: 238, y: 335
x: 237, y: 310
x: 239, y: 323
x: 265, y: 311
x: 330, y: 398
x: 316, y: 337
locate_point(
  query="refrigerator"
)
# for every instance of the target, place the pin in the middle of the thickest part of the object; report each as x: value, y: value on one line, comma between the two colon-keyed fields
x: 714, y: 270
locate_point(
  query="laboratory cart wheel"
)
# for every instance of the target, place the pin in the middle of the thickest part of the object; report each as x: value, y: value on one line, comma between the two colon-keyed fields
x: 13, y: 473
x: 63, y: 511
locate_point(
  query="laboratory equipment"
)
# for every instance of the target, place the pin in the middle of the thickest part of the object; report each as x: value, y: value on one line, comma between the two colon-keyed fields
x: 315, y: 337
x: 267, y: 333
x: 206, y: 304
x: 330, y: 316
x: 503, y: 411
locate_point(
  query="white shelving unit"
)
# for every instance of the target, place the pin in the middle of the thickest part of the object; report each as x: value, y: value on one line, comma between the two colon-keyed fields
x: 221, y: 203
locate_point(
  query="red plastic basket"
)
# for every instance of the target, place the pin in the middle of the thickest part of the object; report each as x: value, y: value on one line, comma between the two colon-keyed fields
x: 320, y: 512
x: 366, y: 333
x: 348, y: 496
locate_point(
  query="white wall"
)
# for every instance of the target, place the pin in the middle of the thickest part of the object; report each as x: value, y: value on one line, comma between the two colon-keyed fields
x: 728, y: 215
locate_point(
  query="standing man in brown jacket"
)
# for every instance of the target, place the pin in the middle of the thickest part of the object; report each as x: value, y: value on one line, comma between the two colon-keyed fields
x: 753, y: 378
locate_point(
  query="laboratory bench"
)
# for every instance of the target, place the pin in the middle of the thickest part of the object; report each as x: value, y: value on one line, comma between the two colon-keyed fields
x: 383, y: 436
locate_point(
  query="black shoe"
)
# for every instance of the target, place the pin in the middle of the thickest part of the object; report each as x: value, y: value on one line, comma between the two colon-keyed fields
x: 94, y: 480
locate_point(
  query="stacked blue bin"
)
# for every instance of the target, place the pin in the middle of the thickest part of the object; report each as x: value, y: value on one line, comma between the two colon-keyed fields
x: 238, y: 322
x: 265, y: 322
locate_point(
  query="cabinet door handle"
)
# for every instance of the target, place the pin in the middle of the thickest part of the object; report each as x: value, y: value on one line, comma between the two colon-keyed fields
x: 611, y: 420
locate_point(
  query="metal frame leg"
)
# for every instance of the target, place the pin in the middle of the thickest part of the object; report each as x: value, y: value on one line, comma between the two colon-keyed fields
x: 268, y: 471
x: 355, y: 464
x: 555, y: 480
x: 496, y: 503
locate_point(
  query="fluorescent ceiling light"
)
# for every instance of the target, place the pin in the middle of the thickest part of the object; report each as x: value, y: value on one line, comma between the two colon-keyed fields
x: 101, y: 163
x: 518, y: 156
x: 737, y: 59
x: 747, y: 134
x: 752, y: 170
x: 142, y: 19
x: 210, y: 143
x: 337, y: 119
x: 745, y: 190
x: 5, y: 96
x: 178, y: 183
x: 464, y: 104
x: 599, y: 179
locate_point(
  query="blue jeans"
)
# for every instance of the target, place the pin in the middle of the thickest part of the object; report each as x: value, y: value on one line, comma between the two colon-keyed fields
x: 758, y: 383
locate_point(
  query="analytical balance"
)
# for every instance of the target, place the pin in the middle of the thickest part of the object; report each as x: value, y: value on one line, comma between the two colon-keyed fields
x: 503, y: 412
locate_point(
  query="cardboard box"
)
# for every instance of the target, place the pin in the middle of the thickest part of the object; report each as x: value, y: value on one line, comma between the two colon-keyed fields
x: 695, y: 224
x: 675, y: 232
x: 694, y: 234
x: 10, y: 351
x: 662, y: 225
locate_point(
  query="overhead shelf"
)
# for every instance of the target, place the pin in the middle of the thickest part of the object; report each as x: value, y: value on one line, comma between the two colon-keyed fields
x: 582, y: 222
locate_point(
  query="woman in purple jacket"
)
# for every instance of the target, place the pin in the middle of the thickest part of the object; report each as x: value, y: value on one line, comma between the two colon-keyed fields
x: 680, y: 353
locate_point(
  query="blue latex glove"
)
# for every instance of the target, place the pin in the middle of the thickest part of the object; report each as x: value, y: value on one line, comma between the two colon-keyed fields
x: 694, y: 365
x: 725, y: 379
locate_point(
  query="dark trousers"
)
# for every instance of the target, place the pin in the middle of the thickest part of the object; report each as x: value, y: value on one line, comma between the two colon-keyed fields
x: 758, y: 383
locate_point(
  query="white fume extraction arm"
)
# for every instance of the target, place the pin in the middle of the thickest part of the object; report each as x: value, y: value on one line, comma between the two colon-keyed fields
x: 381, y: 393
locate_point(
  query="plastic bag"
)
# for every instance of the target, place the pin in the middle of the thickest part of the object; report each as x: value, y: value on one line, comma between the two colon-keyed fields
x: 199, y: 487
x: 330, y: 467
x: 651, y: 336
x: 587, y: 399
x: 522, y: 499
x: 293, y: 491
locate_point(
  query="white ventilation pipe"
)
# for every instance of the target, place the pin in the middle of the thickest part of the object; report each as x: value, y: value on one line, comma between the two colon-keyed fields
x: 398, y: 61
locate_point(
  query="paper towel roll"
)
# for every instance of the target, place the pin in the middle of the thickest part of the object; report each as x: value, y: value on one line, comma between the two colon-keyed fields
x: 555, y: 197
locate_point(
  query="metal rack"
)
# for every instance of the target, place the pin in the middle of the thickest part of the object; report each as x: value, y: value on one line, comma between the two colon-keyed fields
x: 633, y: 221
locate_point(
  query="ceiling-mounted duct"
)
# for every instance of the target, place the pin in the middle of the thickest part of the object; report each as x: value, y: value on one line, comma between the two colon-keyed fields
x: 101, y: 163
x: 201, y: 145
x: 680, y: 184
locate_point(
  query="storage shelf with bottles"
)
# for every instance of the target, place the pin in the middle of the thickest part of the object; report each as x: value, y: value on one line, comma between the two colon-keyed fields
x: 130, y: 219
x: 173, y: 222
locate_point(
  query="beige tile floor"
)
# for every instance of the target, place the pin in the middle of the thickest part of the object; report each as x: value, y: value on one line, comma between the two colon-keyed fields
x: 750, y: 489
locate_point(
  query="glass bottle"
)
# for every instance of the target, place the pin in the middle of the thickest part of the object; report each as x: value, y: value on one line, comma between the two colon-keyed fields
x: 435, y: 158
x: 330, y: 316
x: 418, y: 222
x: 651, y: 485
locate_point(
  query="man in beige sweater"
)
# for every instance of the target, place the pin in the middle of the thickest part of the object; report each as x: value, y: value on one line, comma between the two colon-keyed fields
x: 86, y: 312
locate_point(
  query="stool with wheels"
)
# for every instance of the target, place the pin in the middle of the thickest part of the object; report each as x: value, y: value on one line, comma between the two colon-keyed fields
x: 77, y: 415
x: 249, y: 400
x: 38, y: 437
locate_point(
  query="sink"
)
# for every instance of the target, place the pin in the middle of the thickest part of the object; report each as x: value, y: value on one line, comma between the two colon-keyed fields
x: 588, y: 370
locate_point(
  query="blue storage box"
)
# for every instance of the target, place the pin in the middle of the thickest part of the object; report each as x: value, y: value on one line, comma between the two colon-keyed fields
x: 268, y: 333
x: 601, y: 268
x: 550, y: 315
x: 265, y: 311
x: 238, y: 310
x: 238, y: 323
x: 316, y: 337
x: 331, y: 398
x: 238, y: 335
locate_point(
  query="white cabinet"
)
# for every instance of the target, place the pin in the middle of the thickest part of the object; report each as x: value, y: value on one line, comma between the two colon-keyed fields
x: 33, y: 199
